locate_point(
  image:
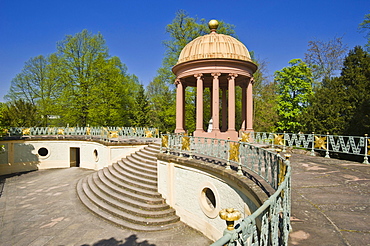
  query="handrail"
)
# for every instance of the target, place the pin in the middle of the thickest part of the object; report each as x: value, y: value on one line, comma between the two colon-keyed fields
x: 353, y: 145
x: 274, y: 214
x: 103, y: 133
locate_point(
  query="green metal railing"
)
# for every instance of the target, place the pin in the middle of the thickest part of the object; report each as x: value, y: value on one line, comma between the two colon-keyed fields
x: 270, y: 223
x: 315, y: 142
x: 102, y: 133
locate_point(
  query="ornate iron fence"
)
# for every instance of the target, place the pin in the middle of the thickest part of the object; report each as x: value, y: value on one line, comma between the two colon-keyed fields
x: 273, y: 217
x: 102, y: 133
x: 314, y: 142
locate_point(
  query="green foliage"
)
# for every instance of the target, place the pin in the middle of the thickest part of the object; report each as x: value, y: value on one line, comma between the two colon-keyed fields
x: 342, y: 105
x: 294, y: 87
x: 80, y: 83
x: 20, y: 113
x: 365, y: 27
x: 141, y: 109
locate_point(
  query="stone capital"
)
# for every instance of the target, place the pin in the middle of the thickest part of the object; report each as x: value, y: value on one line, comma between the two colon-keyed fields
x: 232, y: 76
x: 216, y: 75
x: 198, y: 76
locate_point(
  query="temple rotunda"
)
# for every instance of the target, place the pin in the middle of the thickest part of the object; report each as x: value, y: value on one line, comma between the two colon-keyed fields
x: 219, y: 62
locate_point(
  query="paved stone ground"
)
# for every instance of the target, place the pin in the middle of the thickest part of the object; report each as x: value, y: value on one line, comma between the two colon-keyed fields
x: 330, y: 206
x: 330, y: 202
x: 42, y: 208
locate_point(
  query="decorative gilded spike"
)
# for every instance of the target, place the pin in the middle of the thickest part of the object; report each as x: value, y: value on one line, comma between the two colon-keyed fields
x: 165, y: 141
x: 156, y: 131
x: 278, y: 139
x: 60, y: 131
x: 245, y: 137
x: 185, y: 143
x: 234, y: 152
x: 320, y: 142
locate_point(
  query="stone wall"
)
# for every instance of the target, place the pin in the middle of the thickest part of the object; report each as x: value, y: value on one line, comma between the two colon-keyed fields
x: 29, y: 155
x: 199, y: 190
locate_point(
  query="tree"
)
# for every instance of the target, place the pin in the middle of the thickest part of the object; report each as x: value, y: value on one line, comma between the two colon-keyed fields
x: 342, y: 105
x: 21, y: 113
x: 36, y: 85
x: 365, y: 27
x: 95, y: 86
x: 355, y: 77
x: 327, y: 109
x: 294, y: 89
x: 141, y: 109
x: 325, y: 58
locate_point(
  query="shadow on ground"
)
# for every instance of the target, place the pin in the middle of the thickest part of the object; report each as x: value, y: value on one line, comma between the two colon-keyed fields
x: 130, y: 241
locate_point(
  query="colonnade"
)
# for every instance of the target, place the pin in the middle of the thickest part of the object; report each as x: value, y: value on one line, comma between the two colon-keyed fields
x: 217, y: 81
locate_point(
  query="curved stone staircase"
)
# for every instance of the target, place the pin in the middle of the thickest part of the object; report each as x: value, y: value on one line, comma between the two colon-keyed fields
x: 126, y: 193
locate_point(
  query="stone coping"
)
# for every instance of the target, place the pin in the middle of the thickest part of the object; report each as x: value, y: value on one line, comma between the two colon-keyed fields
x: 112, y: 142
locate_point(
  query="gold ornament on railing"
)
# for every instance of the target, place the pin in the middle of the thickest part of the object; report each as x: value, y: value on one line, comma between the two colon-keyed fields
x: 165, y: 141
x: 185, y: 141
x: 133, y: 130
x: 26, y: 131
x: 60, y: 131
x: 88, y: 131
x: 230, y: 215
x: 156, y: 132
x: 245, y: 137
x: 234, y: 151
x: 368, y: 147
x: 113, y: 134
x: 148, y: 134
x: 278, y: 139
x: 320, y: 142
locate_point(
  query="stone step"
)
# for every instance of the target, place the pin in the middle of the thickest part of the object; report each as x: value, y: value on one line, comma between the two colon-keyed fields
x: 139, y: 168
x: 134, y: 181
x: 132, y: 218
x: 125, y: 205
x: 133, y: 172
x: 146, y: 157
x: 136, y: 160
x: 130, y: 191
x: 126, y: 193
x: 126, y: 183
x: 117, y: 220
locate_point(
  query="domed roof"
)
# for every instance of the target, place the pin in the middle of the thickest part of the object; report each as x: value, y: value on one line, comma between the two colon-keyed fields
x: 213, y: 46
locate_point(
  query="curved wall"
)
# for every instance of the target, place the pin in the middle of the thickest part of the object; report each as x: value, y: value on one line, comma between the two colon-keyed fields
x: 187, y: 186
x: 29, y: 155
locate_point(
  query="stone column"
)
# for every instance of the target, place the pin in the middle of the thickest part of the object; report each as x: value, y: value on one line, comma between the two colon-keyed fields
x: 179, y: 106
x: 249, y: 123
x: 244, y: 104
x: 224, y: 109
x: 215, y: 102
x: 199, y: 116
x: 231, y: 79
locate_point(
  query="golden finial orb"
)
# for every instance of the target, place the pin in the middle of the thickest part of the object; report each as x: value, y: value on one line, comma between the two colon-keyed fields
x: 213, y: 25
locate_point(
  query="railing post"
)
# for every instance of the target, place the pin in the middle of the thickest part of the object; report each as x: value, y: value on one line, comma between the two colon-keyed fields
x: 240, y: 172
x: 313, y: 144
x: 366, y: 142
x: 327, y: 146
x: 228, y: 153
x: 284, y: 149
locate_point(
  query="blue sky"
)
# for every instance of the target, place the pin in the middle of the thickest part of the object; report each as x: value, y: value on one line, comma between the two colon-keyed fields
x: 277, y: 31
